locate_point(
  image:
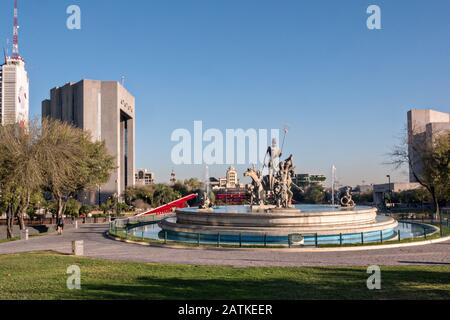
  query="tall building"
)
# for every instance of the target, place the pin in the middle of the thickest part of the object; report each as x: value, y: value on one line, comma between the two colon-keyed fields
x: 423, y: 127
x: 14, y: 84
x: 107, y: 110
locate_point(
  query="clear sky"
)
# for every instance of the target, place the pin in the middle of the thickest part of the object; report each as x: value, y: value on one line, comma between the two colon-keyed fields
x: 312, y: 65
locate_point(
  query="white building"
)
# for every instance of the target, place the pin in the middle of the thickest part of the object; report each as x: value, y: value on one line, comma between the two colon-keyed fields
x: 232, y: 178
x: 14, y: 83
x: 14, y: 89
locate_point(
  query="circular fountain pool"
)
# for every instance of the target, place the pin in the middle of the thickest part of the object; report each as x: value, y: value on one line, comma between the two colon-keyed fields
x: 317, y: 225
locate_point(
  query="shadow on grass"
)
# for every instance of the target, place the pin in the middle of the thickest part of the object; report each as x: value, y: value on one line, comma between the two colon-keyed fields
x: 326, y: 283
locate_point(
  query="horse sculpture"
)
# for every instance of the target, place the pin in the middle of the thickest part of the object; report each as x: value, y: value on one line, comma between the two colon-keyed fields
x: 259, y: 186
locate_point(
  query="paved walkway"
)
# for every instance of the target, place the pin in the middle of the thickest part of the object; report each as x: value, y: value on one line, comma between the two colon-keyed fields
x: 98, y: 246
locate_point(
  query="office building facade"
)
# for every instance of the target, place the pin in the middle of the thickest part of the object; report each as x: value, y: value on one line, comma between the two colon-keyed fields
x: 423, y: 127
x: 106, y: 110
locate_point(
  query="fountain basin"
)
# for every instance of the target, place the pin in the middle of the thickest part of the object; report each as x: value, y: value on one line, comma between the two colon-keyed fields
x: 320, y: 220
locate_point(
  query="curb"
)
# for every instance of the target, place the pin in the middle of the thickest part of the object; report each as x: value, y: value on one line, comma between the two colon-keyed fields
x: 287, y: 250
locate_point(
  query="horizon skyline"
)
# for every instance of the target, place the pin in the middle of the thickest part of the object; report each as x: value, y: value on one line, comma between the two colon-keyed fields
x: 235, y: 83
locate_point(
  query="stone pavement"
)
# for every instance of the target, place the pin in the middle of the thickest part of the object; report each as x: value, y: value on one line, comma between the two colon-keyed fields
x: 97, y: 245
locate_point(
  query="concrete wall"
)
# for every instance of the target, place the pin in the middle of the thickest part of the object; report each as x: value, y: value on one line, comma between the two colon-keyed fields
x: 423, y: 126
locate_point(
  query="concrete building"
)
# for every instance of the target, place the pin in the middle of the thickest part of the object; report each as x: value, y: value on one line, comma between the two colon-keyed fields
x: 144, y: 177
x: 107, y: 110
x: 382, y: 191
x: 14, y: 92
x: 423, y: 127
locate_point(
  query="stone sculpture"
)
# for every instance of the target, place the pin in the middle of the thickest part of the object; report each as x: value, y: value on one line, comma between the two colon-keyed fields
x: 275, y: 188
x: 346, y: 198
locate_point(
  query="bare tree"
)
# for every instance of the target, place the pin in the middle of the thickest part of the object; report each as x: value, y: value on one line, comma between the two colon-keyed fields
x: 428, y: 159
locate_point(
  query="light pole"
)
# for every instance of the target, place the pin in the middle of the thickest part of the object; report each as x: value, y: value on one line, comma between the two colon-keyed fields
x: 390, y: 189
x: 99, y: 196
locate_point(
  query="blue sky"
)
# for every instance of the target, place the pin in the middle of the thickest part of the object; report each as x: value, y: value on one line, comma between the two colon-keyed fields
x: 342, y: 89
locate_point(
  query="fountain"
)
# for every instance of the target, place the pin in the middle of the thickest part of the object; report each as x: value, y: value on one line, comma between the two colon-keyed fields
x: 272, y: 216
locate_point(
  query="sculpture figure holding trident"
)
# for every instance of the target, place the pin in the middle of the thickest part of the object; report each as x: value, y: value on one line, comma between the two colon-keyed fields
x: 274, y: 154
x: 275, y: 188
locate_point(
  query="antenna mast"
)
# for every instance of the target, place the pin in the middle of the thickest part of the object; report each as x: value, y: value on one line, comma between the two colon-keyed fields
x: 15, y: 50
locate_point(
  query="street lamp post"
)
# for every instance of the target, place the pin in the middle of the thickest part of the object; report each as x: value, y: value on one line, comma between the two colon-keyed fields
x: 99, y: 196
x: 390, y: 190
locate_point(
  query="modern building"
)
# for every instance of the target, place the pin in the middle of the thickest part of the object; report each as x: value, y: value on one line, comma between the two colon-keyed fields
x: 14, y: 84
x: 144, y: 177
x: 423, y: 127
x: 107, y: 110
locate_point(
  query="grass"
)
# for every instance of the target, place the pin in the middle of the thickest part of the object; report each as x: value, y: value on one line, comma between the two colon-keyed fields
x: 43, y: 276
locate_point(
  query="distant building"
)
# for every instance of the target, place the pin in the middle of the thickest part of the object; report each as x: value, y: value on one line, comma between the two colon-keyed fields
x: 305, y: 180
x: 144, y: 177
x: 222, y: 183
x: 382, y: 191
x: 173, y: 178
x: 363, y: 189
x: 423, y: 127
x: 107, y: 110
x: 232, y: 178
x: 214, y: 183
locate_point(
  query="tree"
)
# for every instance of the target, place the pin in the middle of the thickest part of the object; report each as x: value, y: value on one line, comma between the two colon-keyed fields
x: 429, y: 162
x: 20, y: 174
x: 73, y: 208
x: 71, y: 162
x: 139, y: 196
x: 164, y: 194
x: 51, y: 156
x: 315, y: 194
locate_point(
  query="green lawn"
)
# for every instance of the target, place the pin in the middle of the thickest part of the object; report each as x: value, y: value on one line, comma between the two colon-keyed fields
x: 43, y: 276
